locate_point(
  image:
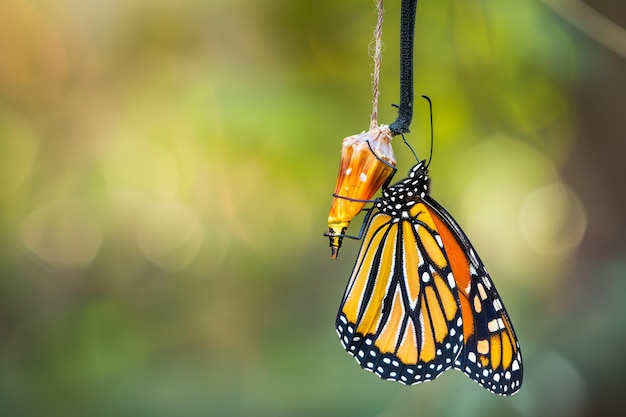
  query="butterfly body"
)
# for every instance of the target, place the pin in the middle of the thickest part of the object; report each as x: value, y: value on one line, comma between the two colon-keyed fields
x: 420, y: 301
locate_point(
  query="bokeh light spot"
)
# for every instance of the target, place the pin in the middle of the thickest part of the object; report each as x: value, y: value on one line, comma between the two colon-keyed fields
x: 137, y: 169
x: 63, y: 234
x: 493, y: 194
x: 552, y: 220
x: 170, y: 235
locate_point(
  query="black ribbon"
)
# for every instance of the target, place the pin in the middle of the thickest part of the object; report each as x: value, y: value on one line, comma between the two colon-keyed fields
x: 407, y: 36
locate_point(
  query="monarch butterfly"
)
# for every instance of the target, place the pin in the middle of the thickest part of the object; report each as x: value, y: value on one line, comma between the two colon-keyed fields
x: 420, y: 301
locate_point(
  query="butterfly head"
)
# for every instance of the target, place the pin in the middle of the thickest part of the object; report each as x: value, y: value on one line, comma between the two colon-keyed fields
x: 404, y: 194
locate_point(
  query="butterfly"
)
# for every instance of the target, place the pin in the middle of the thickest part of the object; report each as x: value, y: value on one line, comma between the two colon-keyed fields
x: 420, y: 301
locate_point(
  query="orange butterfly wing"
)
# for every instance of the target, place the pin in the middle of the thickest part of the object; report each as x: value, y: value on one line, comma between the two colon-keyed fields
x: 491, y: 355
x: 420, y: 301
x: 400, y: 315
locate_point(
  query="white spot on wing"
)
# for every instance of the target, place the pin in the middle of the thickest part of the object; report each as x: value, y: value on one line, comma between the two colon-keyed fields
x: 451, y: 281
x: 487, y: 283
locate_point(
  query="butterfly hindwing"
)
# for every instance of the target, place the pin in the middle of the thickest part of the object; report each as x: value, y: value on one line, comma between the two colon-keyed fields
x: 491, y: 355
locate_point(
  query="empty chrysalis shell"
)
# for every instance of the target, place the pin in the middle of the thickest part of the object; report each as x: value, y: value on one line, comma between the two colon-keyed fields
x: 363, y: 170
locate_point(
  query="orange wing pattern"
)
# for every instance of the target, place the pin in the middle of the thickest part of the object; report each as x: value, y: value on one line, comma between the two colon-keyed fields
x: 420, y: 301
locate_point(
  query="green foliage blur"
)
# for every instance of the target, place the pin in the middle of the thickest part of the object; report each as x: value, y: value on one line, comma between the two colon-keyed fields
x: 166, y: 169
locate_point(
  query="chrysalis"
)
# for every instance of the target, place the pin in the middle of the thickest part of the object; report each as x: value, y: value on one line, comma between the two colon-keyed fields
x: 367, y: 161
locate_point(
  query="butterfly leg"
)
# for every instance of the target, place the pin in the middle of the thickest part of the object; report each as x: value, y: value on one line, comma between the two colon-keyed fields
x: 363, y: 225
x: 390, y: 165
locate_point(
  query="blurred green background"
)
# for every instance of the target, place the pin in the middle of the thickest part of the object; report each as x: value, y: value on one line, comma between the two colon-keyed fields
x: 166, y: 169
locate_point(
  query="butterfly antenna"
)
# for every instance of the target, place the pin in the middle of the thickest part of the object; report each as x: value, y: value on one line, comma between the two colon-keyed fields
x: 432, y: 135
x: 410, y: 147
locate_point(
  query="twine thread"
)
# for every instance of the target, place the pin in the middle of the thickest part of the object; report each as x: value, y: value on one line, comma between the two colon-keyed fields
x: 378, y: 55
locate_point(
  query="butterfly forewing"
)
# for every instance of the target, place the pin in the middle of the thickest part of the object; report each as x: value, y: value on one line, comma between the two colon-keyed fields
x: 366, y: 289
x: 400, y: 316
x: 420, y: 301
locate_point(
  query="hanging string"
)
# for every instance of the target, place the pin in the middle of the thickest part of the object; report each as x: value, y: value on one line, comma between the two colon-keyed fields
x: 378, y: 56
